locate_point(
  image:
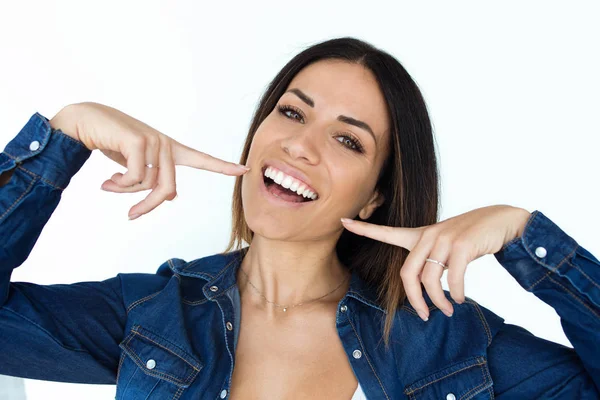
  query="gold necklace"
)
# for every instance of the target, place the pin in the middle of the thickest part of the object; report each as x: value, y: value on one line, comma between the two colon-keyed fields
x: 285, y: 308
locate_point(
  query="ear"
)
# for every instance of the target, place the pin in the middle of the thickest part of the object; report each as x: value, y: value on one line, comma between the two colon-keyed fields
x: 376, y: 200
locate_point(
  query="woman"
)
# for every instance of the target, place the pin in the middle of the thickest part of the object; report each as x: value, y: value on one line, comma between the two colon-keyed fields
x: 309, y: 309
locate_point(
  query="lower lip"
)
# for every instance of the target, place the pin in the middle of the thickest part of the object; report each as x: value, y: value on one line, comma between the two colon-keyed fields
x: 277, y: 200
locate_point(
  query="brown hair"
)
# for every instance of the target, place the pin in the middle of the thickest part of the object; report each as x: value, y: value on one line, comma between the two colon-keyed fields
x: 409, y: 177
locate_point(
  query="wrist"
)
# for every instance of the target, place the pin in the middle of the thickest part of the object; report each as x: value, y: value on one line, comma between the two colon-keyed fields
x: 66, y: 122
x: 521, y: 220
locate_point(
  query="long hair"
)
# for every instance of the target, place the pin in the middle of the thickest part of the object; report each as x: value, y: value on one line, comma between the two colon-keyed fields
x: 408, y: 179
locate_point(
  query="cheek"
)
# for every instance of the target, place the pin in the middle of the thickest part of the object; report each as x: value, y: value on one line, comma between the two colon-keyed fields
x: 350, y: 189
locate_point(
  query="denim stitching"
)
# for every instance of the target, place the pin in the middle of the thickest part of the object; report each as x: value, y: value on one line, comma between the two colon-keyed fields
x: 485, y: 381
x: 575, y: 297
x: 164, y: 347
x: 482, y: 318
x: 191, y: 264
x: 40, y: 177
x: 141, y: 365
x: 180, y: 390
x: 119, y: 366
x: 188, y: 265
x: 137, y: 302
x: 367, y: 357
x: 547, y: 266
x: 445, y: 376
x: 17, y: 200
x: 364, y: 299
x: 584, y: 274
x: 194, y: 303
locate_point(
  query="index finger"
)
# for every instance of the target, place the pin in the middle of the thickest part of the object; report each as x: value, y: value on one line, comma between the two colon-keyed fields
x: 398, y: 236
x: 184, y: 155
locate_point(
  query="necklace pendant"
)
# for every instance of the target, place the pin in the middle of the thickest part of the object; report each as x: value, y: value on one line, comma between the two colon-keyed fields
x: 284, y: 309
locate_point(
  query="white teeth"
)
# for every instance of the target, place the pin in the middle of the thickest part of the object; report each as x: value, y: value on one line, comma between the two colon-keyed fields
x: 287, y: 182
x: 290, y: 183
x: 278, y: 178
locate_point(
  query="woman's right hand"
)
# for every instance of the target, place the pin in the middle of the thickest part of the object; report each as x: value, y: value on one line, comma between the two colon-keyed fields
x: 134, y: 145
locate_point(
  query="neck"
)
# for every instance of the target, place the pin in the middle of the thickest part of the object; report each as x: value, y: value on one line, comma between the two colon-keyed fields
x: 288, y: 273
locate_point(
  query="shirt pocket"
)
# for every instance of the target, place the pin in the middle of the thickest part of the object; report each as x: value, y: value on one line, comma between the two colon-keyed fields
x: 153, y: 368
x: 468, y: 379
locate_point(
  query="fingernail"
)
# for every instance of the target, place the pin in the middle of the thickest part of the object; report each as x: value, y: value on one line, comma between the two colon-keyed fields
x: 346, y: 220
x: 447, y: 312
x: 133, y: 216
x: 423, y: 316
x: 244, y: 167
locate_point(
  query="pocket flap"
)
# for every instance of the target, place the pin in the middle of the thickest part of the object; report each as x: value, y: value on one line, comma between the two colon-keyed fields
x: 160, y: 358
x: 462, y: 380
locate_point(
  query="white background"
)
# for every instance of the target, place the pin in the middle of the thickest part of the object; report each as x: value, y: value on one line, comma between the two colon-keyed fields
x: 512, y: 89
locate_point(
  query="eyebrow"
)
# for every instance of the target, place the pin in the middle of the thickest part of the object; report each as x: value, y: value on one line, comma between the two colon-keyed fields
x: 341, y: 118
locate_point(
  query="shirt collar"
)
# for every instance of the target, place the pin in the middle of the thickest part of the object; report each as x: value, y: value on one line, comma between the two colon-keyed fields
x: 220, y: 271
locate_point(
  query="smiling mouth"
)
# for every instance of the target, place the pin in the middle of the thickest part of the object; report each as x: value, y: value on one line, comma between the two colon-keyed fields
x: 281, y: 192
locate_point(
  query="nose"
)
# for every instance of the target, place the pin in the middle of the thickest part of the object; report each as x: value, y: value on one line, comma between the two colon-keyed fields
x: 302, y: 145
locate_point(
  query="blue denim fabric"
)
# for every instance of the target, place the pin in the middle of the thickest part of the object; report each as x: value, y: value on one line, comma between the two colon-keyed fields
x: 166, y: 335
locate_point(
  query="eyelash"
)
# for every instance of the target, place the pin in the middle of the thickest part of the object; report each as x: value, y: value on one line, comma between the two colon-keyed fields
x: 285, y: 108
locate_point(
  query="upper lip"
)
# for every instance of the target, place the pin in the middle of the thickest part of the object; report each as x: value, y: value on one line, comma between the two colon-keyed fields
x: 289, y: 170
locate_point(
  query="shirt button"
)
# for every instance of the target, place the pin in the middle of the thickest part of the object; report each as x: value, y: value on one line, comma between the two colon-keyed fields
x: 450, y: 396
x: 357, y: 354
x: 229, y: 326
x: 343, y: 308
x: 151, y: 364
x: 541, y: 252
x: 214, y: 288
x: 223, y: 393
x: 33, y: 146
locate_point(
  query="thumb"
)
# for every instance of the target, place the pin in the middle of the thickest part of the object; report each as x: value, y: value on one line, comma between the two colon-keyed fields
x: 398, y: 236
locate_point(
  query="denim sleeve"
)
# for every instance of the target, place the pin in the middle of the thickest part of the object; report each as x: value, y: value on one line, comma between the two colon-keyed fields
x: 554, y: 267
x: 61, y: 332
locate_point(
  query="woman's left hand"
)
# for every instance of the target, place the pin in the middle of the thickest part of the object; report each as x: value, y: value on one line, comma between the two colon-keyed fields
x: 455, y: 242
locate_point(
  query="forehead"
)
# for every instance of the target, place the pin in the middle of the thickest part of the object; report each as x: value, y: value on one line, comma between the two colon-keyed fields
x: 343, y: 88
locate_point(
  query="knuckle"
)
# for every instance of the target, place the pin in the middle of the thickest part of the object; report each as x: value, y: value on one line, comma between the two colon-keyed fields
x: 445, y: 239
x: 429, y: 234
x: 152, y: 140
x: 461, y: 244
x: 138, y: 141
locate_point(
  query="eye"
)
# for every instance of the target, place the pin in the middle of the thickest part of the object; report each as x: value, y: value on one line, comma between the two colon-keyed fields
x: 354, y: 144
x: 295, y: 113
x: 291, y: 112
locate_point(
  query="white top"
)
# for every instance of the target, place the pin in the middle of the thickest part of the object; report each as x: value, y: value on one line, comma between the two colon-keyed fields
x: 359, y: 394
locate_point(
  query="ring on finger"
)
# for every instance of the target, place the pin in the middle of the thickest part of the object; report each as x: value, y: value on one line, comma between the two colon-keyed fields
x: 437, y: 262
x: 149, y: 166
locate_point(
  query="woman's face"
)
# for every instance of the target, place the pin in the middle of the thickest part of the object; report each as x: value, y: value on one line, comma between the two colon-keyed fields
x: 331, y: 127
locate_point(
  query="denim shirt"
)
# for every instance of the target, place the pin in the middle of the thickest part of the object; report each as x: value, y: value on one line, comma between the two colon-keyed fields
x: 172, y: 334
